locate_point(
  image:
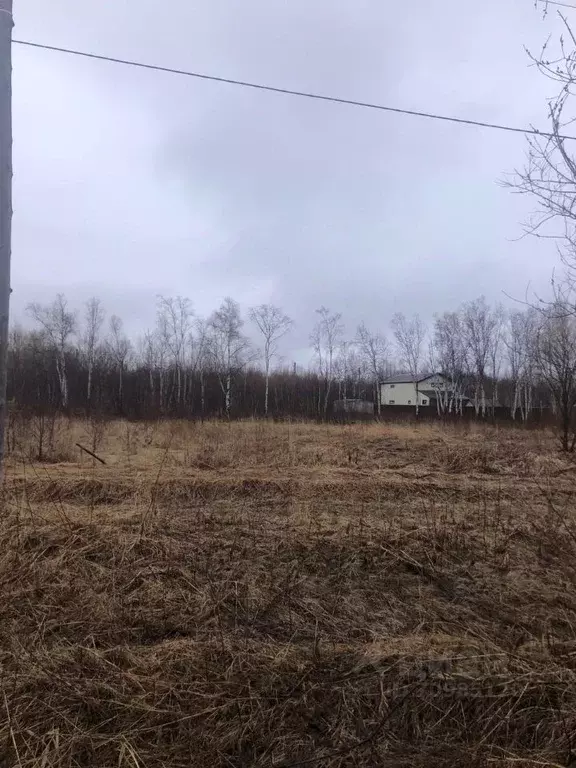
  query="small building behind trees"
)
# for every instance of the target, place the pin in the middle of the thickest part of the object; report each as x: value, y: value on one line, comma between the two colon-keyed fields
x: 402, y: 389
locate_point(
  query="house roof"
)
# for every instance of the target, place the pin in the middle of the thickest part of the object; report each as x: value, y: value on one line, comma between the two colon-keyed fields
x: 407, y: 378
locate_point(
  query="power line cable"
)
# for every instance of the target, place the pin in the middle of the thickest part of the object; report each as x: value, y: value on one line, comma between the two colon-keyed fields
x: 557, y: 2
x: 290, y: 92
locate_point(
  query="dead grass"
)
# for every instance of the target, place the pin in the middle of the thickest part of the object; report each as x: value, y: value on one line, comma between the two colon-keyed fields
x: 258, y: 594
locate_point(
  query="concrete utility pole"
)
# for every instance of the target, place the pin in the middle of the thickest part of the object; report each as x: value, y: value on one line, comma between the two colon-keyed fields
x: 6, y: 24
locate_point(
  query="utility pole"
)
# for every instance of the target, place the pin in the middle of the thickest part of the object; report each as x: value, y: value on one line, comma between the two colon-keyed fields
x: 6, y: 24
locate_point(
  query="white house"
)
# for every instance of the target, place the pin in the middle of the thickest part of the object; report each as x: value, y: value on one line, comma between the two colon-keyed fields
x: 403, y: 390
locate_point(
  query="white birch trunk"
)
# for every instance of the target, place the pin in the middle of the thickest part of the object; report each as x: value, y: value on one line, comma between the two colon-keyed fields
x: 62, y: 379
x: 161, y: 388
x: 228, y: 395
x: 89, y: 386
x: 266, y: 390
x: 121, y: 389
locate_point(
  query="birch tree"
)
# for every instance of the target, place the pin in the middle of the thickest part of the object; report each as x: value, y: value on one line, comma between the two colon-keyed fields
x: 556, y: 357
x: 228, y: 347
x: 480, y: 325
x: 374, y: 348
x: 119, y: 347
x: 273, y: 324
x: 325, y: 338
x: 357, y: 372
x: 450, y: 358
x: 519, y: 342
x: 200, y: 357
x: 175, y: 323
x: 549, y: 175
x: 495, y: 355
x: 348, y: 366
x: 59, y: 324
x: 94, y: 318
x: 410, y: 335
x: 147, y: 348
x: 158, y: 351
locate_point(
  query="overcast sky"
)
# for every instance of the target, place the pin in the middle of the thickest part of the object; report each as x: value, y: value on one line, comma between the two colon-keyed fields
x: 131, y: 183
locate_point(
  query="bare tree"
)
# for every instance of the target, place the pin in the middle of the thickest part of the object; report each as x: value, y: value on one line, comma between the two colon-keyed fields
x: 273, y: 324
x: 355, y: 370
x: 175, y: 324
x: 556, y: 357
x: 480, y: 324
x: 147, y: 352
x: 514, y: 341
x: 59, y: 325
x: 374, y: 348
x: 347, y: 367
x: 499, y: 317
x: 549, y: 175
x: 519, y: 341
x: 94, y: 318
x: 450, y: 358
x: 326, y: 337
x: 228, y: 347
x: 200, y: 357
x: 157, y: 350
x: 410, y: 335
x: 119, y: 347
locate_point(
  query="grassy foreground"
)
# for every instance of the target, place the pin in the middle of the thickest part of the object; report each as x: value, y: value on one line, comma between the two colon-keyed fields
x: 254, y: 594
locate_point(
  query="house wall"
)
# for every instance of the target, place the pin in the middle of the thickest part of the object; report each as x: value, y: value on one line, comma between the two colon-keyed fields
x: 403, y: 394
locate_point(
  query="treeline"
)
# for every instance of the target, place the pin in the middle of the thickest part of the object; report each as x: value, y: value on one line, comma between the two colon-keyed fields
x: 82, y: 361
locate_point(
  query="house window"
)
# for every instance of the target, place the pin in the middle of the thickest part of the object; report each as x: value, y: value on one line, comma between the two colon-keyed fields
x: 391, y: 402
x: 392, y: 386
x: 424, y: 402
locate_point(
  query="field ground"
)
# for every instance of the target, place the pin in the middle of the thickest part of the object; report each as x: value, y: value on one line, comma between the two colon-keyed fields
x: 259, y: 594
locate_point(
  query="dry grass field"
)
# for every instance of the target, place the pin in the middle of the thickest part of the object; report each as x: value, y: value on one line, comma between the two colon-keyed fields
x: 282, y: 595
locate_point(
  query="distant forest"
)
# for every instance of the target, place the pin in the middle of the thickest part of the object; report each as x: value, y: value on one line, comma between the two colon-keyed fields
x: 83, y: 362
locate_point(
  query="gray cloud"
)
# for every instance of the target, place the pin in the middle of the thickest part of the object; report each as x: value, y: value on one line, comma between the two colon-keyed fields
x: 130, y: 183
